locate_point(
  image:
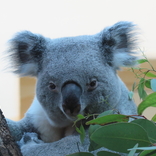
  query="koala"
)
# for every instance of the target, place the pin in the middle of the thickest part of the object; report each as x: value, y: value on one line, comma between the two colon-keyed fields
x: 75, y: 75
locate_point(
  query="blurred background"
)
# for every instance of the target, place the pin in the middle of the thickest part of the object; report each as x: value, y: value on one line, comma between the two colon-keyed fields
x: 62, y: 18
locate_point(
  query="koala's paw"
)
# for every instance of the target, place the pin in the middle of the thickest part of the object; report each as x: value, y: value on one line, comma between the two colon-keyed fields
x: 29, y: 138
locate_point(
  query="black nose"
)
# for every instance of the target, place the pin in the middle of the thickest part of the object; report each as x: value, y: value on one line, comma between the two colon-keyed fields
x: 71, y: 93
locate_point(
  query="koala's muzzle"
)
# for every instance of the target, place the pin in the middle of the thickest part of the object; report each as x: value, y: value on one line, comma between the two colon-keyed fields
x: 71, y: 93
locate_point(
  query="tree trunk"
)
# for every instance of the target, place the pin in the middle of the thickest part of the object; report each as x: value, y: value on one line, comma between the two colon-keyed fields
x: 8, y: 146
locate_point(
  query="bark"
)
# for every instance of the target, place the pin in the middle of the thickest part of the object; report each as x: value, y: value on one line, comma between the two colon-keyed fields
x: 8, y: 146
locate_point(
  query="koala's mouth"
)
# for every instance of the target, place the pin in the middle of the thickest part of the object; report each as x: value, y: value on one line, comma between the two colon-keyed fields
x: 71, y: 111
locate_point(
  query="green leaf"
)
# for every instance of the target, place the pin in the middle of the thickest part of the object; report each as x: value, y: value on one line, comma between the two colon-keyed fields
x: 78, y: 130
x: 148, y: 83
x: 93, y: 128
x: 153, y: 85
x: 120, y: 136
x: 93, y: 146
x: 149, y: 127
x: 154, y: 118
x: 148, y: 153
x: 142, y: 61
x: 141, y: 91
x: 81, y: 154
x: 106, y: 113
x: 133, y: 87
x: 150, y: 101
x: 109, y: 119
x: 81, y: 131
x: 82, y: 134
x: 133, y: 150
x: 144, y: 94
x: 80, y: 116
x: 106, y: 153
x: 149, y: 74
x: 140, y: 87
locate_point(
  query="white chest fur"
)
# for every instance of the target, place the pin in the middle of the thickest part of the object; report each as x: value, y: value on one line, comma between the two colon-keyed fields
x: 48, y: 132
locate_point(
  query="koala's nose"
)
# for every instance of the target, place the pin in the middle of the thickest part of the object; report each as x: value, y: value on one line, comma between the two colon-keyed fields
x: 71, y: 93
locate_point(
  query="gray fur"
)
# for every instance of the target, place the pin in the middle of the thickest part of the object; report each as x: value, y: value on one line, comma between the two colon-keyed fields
x: 89, y: 65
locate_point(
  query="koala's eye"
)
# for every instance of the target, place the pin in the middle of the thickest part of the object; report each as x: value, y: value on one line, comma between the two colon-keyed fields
x: 52, y: 86
x: 92, y: 85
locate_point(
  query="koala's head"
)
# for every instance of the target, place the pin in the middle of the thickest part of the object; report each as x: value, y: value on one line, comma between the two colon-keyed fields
x: 75, y: 74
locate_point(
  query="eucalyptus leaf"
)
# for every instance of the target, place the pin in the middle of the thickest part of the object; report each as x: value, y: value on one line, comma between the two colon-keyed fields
x: 120, y: 136
x: 149, y: 74
x: 93, y: 146
x: 148, y: 83
x: 153, y: 85
x: 148, y: 153
x: 140, y: 87
x: 142, y: 61
x: 109, y: 119
x: 80, y: 116
x: 93, y: 128
x: 82, y: 134
x: 133, y: 87
x: 150, y: 101
x: 154, y: 118
x: 81, y: 154
x: 133, y: 150
x: 106, y: 153
x: 149, y: 127
x: 78, y: 130
x: 142, y: 93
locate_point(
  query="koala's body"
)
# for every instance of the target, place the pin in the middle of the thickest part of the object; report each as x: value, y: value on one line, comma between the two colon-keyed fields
x: 75, y: 75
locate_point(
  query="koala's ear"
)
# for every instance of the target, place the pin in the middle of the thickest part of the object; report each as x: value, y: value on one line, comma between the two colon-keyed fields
x: 26, y: 51
x: 119, y: 44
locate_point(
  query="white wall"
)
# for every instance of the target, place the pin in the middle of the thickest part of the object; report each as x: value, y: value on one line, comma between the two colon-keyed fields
x: 9, y: 96
x: 75, y: 17
x: 58, y: 18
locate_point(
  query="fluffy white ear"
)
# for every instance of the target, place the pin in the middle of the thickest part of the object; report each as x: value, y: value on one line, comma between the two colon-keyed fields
x: 119, y: 44
x: 124, y: 59
x: 26, y: 52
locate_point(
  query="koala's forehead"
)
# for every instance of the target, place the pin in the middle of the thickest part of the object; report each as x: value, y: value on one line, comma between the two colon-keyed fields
x: 79, y: 55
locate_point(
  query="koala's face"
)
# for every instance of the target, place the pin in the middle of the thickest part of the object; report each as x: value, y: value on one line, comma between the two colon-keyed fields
x: 78, y: 74
x: 75, y: 79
